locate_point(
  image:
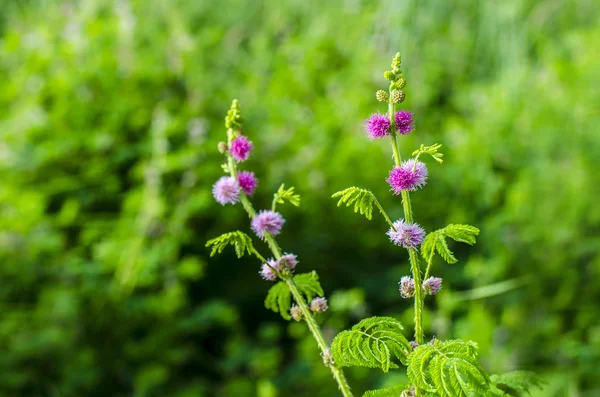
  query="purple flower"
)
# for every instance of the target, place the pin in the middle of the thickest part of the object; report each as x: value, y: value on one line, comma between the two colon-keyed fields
x: 296, y: 313
x: 289, y: 260
x: 267, y: 271
x: 407, y: 287
x: 407, y: 176
x: 247, y: 181
x: 413, y: 344
x: 226, y: 190
x: 319, y: 305
x: 377, y: 126
x: 404, y: 122
x: 267, y: 221
x: 432, y: 285
x: 240, y: 148
x: 408, y: 235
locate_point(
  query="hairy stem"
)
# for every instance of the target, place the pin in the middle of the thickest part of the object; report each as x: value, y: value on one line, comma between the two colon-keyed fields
x: 408, y: 217
x: 338, y: 373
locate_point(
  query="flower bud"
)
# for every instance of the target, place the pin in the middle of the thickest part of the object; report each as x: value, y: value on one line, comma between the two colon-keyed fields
x: 327, y: 358
x: 409, y: 392
x: 432, y: 285
x: 401, y: 82
x: 296, y: 313
x: 222, y: 146
x: 388, y: 75
x: 381, y: 96
x: 398, y: 96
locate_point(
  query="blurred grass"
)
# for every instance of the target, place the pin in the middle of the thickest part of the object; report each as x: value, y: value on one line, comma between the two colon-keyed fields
x: 110, y: 112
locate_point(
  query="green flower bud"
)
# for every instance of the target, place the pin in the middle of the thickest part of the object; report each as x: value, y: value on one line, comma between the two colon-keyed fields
x: 396, y: 61
x: 222, y: 146
x: 398, y: 96
x: 400, y: 83
x: 233, y: 119
x: 381, y: 96
x: 388, y: 75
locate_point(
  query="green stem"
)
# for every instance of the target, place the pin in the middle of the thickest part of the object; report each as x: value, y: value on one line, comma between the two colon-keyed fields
x: 408, y: 217
x: 429, y: 262
x: 338, y: 373
x: 385, y: 215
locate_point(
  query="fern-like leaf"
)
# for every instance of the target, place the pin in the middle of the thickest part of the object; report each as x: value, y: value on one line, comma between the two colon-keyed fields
x: 374, y: 342
x: 436, y: 240
x: 279, y: 297
x: 449, y: 368
x: 362, y: 199
x: 241, y: 242
x: 516, y: 383
x: 393, y: 391
x: 282, y: 195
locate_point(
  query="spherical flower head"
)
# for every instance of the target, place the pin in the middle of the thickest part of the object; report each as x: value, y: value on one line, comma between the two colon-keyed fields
x: 240, y: 148
x: 377, y: 126
x: 404, y: 122
x: 296, y: 313
x: 226, y: 190
x: 432, y: 285
x: 267, y: 221
x: 289, y: 260
x: 407, y: 176
x: 247, y: 181
x: 319, y: 305
x: 408, y: 235
x: 267, y: 272
x: 407, y: 287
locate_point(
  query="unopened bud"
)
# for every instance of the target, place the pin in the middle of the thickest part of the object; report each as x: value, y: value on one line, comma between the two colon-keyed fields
x: 381, y: 96
x: 296, y: 313
x: 327, y: 358
x: 401, y: 82
x: 398, y: 96
x: 388, y: 75
x: 222, y: 146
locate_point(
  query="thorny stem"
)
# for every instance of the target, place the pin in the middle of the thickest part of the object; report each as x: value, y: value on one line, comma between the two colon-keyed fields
x: 307, y: 315
x: 408, y: 217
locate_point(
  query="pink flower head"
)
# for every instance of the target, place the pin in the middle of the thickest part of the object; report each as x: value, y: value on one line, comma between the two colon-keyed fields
x: 407, y: 287
x: 247, y: 181
x: 226, y: 190
x: 240, y: 148
x: 404, y: 122
x: 407, y: 176
x: 432, y: 285
x: 289, y: 260
x: 319, y: 305
x: 377, y: 126
x: 408, y: 235
x: 267, y: 271
x: 267, y: 221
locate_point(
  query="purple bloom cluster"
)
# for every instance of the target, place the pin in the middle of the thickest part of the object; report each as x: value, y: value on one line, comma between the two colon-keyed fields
x: 319, y: 305
x: 408, y: 235
x: 432, y: 285
x: 226, y: 190
x: 286, y: 263
x: 247, y: 181
x: 296, y: 313
x: 240, y: 148
x: 407, y: 287
x: 377, y: 126
x: 407, y: 176
x: 404, y: 122
x: 267, y: 221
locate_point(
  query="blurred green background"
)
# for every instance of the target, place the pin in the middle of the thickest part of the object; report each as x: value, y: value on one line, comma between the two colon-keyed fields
x: 110, y: 114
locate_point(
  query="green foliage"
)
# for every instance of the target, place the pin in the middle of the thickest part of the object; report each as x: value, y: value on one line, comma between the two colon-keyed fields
x: 240, y: 240
x: 430, y: 150
x: 436, y: 240
x: 449, y: 368
x: 279, y: 297
x: 374, y: 342
x: 516, y: 383
x: 362, y: 199
x: 284, y: 194
x: 393, y: 391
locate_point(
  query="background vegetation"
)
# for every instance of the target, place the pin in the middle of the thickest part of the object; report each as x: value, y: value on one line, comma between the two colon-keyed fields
x: 110, y: 113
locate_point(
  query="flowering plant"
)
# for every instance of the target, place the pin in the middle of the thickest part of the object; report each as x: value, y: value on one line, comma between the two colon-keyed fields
x: 435, y: 368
